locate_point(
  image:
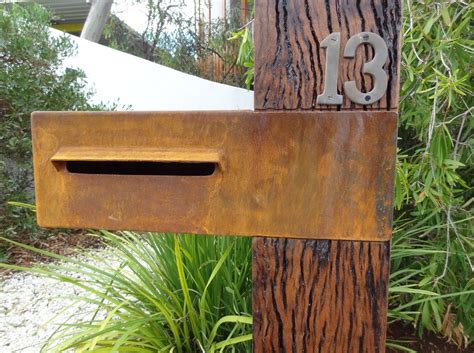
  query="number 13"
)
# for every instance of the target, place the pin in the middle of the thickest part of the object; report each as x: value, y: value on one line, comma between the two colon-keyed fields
x: 332, y: 43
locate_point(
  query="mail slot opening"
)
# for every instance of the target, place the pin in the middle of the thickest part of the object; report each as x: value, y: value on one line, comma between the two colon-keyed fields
x: 141, y: 168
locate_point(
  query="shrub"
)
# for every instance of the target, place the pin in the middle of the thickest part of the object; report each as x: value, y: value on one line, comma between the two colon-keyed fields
x: 435, y: 169
x: 31, y: 79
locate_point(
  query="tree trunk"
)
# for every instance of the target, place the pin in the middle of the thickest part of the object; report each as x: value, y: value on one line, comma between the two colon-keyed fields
x: 96, y: 20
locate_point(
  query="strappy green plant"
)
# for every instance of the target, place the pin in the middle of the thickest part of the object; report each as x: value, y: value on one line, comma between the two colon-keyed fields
x: 159, y: 293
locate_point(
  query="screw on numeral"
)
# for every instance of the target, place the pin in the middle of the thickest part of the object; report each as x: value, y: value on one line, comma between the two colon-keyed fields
x: 330, y: 96
x: 374, y: 68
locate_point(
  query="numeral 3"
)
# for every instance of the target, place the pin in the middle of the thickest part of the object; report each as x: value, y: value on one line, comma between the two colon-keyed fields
x: 332, y: 43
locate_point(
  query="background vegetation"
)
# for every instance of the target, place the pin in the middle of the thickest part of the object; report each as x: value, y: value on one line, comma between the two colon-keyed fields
x: 431, y: 282
x: 197, y: 45
x: 434, y: 189
x: 31, y: 79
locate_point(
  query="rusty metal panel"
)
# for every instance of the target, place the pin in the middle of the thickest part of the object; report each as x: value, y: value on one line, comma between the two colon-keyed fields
x: 316, y: 175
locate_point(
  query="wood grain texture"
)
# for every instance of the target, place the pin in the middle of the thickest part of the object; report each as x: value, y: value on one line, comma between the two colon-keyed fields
x: 319, y: 296
x: 289, y: 67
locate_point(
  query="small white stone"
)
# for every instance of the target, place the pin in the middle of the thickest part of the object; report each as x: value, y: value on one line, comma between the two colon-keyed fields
x: 30, y: 310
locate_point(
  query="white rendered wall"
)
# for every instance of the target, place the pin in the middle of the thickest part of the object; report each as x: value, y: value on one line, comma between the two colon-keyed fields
x: 131, y: 81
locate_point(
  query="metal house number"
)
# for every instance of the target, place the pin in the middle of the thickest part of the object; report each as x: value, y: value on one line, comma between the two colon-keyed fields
x: 332, y: 43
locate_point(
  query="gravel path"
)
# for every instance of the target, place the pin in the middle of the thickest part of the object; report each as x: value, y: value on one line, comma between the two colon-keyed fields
x: 30, y: 309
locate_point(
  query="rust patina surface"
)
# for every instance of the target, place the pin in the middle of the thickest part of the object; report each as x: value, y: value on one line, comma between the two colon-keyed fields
x: 315, y: 175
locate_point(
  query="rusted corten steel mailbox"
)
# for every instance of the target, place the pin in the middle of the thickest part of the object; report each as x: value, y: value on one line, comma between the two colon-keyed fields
x: 303, y: 175
x: 309, y: 174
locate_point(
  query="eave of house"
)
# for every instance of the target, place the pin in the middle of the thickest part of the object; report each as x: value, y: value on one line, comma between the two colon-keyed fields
x: 66, y: 11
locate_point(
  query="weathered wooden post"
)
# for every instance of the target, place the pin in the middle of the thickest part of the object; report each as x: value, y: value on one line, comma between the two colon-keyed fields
x: 326, y: 295
x: 309, y: 172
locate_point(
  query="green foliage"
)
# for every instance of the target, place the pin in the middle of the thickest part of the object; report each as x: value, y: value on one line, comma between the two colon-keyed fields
x: 163, y: 293
x: 172, y: 38
x: 435, y: 170
x: 161, y: 15
x: 245, y: 57
x: 418, y: 294
x: 436, y: 108
x: 246, y: 54
x: 31, y: 79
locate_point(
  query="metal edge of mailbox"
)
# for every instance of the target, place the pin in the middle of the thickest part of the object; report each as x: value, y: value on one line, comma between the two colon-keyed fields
x: 311, y: 175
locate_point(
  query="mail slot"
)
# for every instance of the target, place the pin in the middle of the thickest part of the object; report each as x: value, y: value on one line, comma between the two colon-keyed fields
x: 144, y: 161
x: 320, y: 175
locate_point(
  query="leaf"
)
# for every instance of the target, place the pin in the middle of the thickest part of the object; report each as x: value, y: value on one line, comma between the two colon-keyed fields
x: 445, y: 15
x: 428, y: 25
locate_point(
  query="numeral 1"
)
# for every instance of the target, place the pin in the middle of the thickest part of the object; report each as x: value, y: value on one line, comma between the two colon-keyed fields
x: 332, y: 43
